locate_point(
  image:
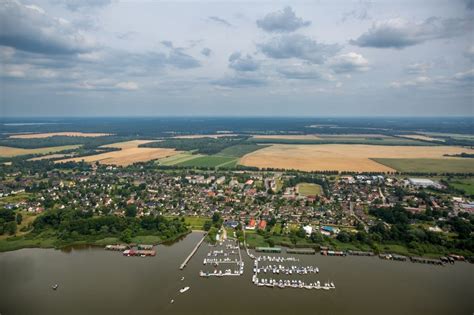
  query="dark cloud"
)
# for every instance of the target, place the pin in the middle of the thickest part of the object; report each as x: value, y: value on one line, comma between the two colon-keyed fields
x: 399, y: 33
x: 75, y: 5
x: 350, y: 62
x: 469, y: 4
x: 167, y: 43
x: 206, y: 52
x: 282, y: 21
x: 220, y: 21
x: 243, y: 63
x: 30, y: 28
x: 298, y: 46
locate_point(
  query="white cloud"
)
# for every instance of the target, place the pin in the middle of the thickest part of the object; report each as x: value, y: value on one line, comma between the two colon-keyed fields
x: 129, y: 86
x: 350, y: 62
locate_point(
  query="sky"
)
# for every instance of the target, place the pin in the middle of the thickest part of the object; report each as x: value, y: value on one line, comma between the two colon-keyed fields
x: 236, y: 58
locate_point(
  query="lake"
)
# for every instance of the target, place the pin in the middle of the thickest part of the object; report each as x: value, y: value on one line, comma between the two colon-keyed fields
x: 95, y: 281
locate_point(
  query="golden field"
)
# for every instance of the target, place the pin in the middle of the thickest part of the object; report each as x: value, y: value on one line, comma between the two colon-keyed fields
x: 288, y: 137
x: 341, y: 157
x: 10, y: 151
x: 214, y: 136
x: 130, y: 153
x: 64, y: 134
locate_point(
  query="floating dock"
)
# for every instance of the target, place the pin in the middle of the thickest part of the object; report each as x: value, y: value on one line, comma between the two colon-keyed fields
x: 192, y: 252
x: 268, y: 249
x: 301, y: 251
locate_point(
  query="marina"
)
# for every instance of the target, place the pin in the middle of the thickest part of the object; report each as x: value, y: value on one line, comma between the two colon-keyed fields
x: 223, y: 259
x: 159, y: 282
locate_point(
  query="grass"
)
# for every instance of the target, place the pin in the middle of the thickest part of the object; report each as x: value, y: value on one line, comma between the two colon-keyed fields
x: 240, y: 150
x: 466, y: 185
x: 179, y: 158
x: 11, y: 152
x: 211, y: 161
x: 429, y: 165
x: 195, y: 223
x: 307, y: 189
x: 15, y: 198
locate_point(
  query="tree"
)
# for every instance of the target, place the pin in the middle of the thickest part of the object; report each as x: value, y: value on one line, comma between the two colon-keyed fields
x: 131, y: 211
x: 344, y: 237
x: 19, y: 218
x: 11, y: 227
x: 207, y: 225
x: 126, y: 236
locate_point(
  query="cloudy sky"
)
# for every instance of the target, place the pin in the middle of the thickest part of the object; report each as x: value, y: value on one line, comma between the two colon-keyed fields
x: 236, y: 58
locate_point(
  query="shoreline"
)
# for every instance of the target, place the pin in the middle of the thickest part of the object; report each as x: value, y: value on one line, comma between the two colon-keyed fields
x: 52, y: 242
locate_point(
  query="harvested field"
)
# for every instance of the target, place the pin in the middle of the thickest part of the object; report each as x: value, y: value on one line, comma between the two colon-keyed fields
x: 178, y: 158
x: 341, y: 157
x: 9, y: 151
x: 49, y: 156
x: 63, y: 134
x: 289, y: 137
x: 214, y: 136
x: 130, y: 153
x: 421, y: 137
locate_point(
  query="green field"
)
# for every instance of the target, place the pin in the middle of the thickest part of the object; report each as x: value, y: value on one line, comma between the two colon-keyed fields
x: 179, y: 158
x: 466, y: 185
x: 195, y: 223
x: 430, y: 165
x: 211, y: 161
x: 241, y: 149
x: 307, y: 189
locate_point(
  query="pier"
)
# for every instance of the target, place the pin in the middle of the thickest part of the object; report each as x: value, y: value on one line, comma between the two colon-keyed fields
x: 192, y: 252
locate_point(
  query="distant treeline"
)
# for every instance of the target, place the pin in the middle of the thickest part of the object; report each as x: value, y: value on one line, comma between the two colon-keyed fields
x: 166, y: 127
x: 198, y: 145
x: 462, y: 155
x: 86, y: 142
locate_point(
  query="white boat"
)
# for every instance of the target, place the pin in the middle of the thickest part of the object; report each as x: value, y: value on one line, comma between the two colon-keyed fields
x: 184, y: 289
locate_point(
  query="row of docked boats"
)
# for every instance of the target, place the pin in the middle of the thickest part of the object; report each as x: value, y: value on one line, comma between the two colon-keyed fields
x: 217, y: 261
x: 297, y: 284
x: 276, y: 259
x: 279, y: 269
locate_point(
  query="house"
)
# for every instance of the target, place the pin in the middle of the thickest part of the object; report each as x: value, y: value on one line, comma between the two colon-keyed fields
x: 251, y: 225
x: 262, y: 225
x: 308, y: 229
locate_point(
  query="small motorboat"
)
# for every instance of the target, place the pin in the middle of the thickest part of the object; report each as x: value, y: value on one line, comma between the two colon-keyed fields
x: 184, y: 289
x: 55, y: 286
x: 172, y: 301
x: 182, y: 278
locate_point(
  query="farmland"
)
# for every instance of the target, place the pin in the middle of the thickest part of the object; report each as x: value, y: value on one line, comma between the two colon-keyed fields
x: 129, y: 153
x: 447, y: 165
x: 466, y: 185
x: 11, y: 152
x: 374, y: 139
x: 210, y: 161
x: 54, y: 134
x: 308, y: 189
x: 343, y: 157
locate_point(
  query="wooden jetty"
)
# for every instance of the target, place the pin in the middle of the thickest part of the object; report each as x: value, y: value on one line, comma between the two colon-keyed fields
x: 185, y: 262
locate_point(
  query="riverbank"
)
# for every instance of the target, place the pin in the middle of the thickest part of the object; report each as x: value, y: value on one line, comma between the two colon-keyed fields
x: 254, y: 240
x: 50, y: 240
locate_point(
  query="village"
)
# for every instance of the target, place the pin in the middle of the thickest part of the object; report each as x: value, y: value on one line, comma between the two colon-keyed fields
x: 275, y: 202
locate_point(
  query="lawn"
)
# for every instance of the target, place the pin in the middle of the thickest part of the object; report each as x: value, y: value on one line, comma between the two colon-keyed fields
x: 15, y: 198
x: 429, y: 165
x: 195, y: 223
x: 211, y: 161
x: 308, y: 189
x: 466, y: 185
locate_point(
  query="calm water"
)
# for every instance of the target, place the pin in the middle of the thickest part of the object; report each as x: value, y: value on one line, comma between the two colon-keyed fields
x: 95, y: 281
